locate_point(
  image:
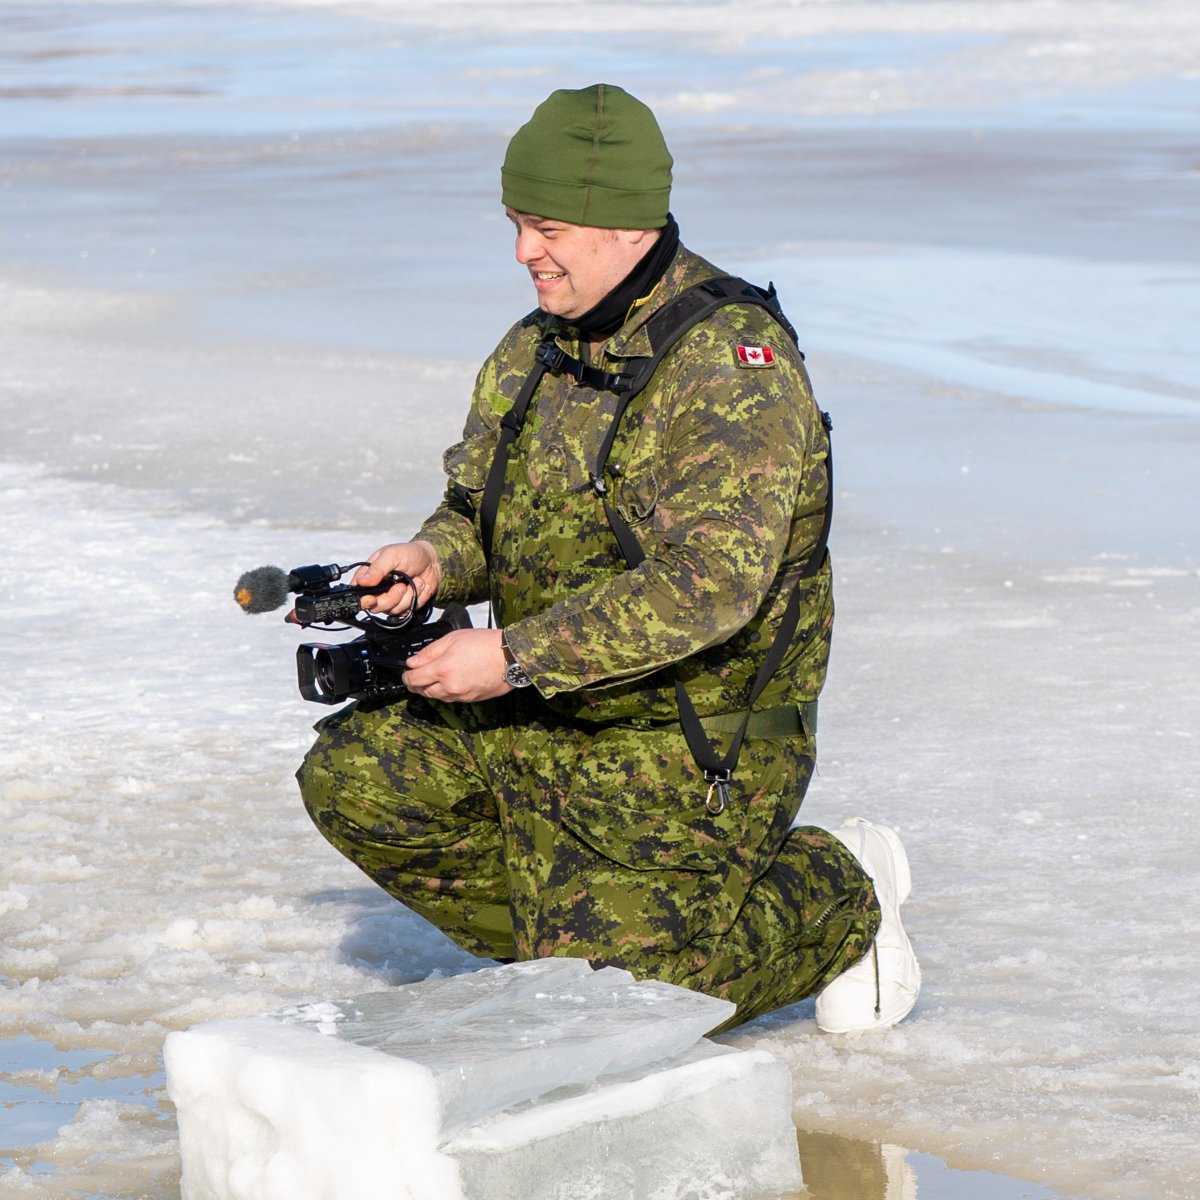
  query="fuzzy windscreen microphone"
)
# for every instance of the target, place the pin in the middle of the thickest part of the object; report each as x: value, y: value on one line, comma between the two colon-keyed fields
x: 262, y: 590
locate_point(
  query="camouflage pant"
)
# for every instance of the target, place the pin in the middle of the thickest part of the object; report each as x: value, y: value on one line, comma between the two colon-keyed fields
x: 522, y: 837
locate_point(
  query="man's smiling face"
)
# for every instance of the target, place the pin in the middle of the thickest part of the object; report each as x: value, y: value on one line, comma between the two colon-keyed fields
x: 573, y: 267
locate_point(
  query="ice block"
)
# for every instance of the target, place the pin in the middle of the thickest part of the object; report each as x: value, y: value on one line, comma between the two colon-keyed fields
x: 714, y: 1123
x: 532, y: 1079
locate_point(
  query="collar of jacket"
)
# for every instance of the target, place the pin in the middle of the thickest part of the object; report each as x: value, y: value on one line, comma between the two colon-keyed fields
x: 632, y: 340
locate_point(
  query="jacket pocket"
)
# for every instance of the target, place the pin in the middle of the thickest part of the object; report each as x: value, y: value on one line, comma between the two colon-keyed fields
x: 467, y: 463
x: 637, y: 493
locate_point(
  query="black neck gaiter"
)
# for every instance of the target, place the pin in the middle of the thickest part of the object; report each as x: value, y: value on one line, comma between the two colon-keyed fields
x: 609, y: 315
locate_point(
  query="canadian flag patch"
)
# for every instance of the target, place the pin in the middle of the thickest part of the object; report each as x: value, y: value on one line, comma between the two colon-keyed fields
x: 755, y: 356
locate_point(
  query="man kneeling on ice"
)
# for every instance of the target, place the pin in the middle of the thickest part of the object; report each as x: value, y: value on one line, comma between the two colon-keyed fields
x: 643, y: 494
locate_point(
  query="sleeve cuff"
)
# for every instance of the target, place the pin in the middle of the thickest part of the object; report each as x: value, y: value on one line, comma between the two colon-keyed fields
x: 464, y: 576
x: 551, y: 672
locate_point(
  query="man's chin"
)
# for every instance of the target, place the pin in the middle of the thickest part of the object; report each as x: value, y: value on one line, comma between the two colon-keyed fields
x: 557, y: 305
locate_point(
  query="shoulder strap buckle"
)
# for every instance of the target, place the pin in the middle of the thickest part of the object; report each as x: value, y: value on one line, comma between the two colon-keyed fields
x: 551, y: 355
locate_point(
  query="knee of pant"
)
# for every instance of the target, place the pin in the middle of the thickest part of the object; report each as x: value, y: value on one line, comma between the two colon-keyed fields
x: 327, y: 798
x: 317, y: 781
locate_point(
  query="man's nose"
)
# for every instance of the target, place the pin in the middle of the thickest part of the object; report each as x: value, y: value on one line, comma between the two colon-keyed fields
x: 529, y: 247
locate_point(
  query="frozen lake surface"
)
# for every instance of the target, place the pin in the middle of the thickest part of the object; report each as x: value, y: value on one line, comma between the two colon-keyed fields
x: 250, y: 258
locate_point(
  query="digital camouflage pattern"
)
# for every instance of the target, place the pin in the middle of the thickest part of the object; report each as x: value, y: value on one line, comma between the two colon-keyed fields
x: 522, y: 837
x: 569, y: 818
x: 721, y: 474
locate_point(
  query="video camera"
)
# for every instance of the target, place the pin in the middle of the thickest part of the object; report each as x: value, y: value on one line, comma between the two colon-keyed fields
x: 370, y: 667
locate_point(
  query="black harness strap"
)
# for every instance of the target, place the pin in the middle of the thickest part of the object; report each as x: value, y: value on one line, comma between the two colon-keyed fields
x: 510, y: 429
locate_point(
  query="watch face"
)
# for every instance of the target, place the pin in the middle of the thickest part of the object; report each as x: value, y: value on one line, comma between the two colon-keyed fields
x: 514, y: 676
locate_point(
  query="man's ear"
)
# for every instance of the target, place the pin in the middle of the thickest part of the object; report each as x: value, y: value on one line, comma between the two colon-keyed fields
x: 639, y: 237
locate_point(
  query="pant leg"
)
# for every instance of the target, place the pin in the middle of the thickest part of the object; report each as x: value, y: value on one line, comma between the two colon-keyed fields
x: 809, y: 917
x: 614, y: 857
x: 403, y: 793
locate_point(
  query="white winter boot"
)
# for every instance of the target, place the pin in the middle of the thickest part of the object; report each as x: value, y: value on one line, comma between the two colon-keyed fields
x: 881, y: 988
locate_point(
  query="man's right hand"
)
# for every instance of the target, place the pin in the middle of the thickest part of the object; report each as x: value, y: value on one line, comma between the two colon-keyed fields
x: 417, y: 560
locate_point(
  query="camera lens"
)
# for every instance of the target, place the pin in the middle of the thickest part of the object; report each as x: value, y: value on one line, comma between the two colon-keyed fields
x: 326, y: 674
x: 329, y: 674
x: 341, y: 671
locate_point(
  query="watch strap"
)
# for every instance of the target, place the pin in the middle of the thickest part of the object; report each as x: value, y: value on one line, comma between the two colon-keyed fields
x: 514, y: 673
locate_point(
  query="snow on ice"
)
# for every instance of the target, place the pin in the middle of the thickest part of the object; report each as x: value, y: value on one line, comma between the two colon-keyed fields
x: 250, y: 257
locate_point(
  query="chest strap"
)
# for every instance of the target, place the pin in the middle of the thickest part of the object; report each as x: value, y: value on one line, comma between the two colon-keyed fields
x: 558, y: 362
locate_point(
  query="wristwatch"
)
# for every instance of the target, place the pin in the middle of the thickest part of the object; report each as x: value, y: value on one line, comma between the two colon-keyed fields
x: 514, y: 673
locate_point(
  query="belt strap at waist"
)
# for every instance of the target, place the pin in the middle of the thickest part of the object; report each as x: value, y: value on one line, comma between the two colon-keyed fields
x: 784, y: 720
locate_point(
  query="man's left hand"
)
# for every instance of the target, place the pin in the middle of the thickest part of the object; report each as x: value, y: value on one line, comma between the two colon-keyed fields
x: 464, y: 666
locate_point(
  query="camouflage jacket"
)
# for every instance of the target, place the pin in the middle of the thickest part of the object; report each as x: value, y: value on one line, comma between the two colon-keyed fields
x: 721, y: 475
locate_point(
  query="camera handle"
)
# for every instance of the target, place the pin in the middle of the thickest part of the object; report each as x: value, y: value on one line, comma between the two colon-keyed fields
x: 391, y: 621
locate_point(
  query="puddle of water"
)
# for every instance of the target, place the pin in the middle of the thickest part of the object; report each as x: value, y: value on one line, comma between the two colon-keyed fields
x: 842, y: 1168
x: 42, y: 1088
x: 26, y: 1053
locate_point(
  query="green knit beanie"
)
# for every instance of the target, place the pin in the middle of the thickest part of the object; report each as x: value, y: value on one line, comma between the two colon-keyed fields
x: 595, y: 156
